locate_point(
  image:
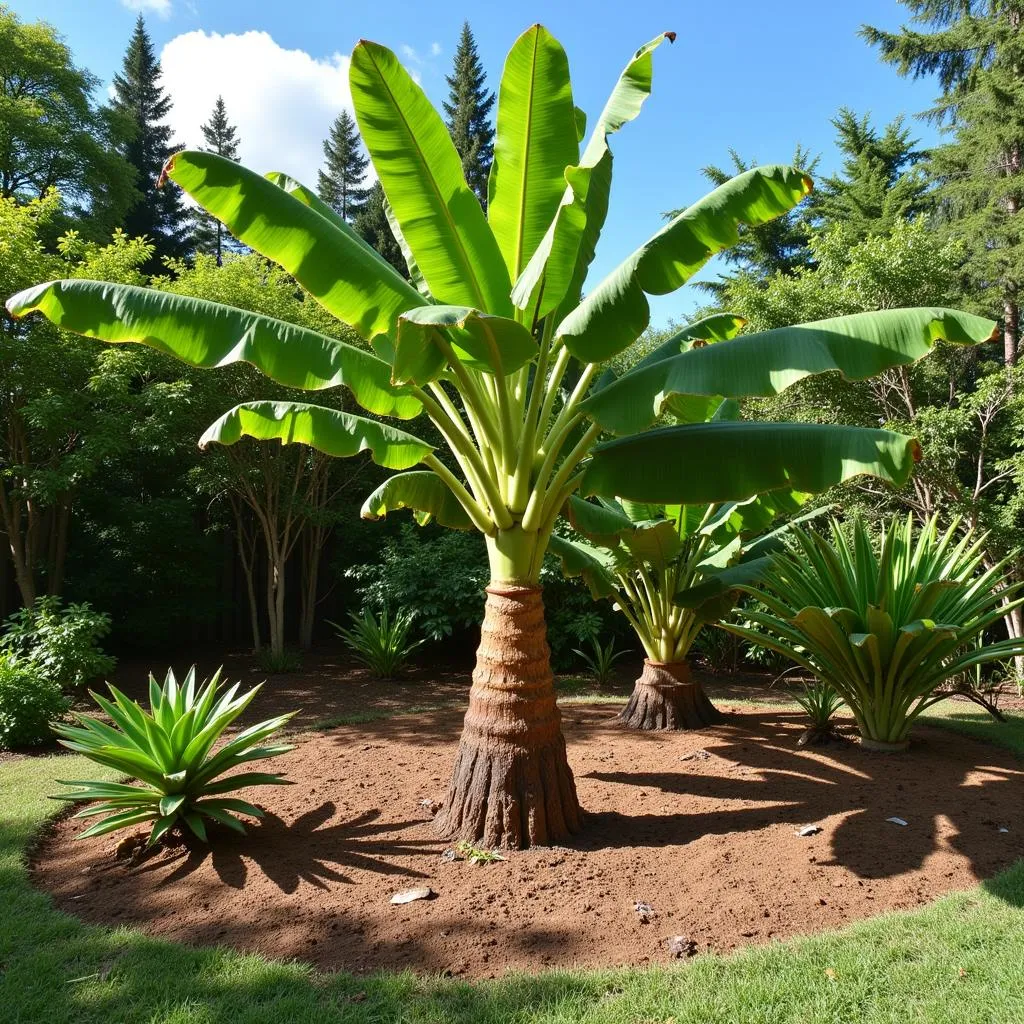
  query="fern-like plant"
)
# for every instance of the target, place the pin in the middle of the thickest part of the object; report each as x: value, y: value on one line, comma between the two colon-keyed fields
x: 170, y: 751
x: 381, y: 644
x: 885, y: 624
x: 600, y: 659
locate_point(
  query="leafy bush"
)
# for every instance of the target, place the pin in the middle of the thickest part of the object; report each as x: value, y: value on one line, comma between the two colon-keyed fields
x: 600, y: 659
x: 169, y: 749
x: 441, y: 575
x: 62, y: 642
x: 381, y: 644
x: 29, y: 702
x: 885, y: 629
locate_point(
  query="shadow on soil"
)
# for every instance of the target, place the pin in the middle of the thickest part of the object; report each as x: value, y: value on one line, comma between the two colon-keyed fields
x: 312, y: 849
x: 922, y: 787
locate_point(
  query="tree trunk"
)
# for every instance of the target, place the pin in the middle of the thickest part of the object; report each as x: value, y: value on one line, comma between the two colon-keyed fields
x: 1011, y: 326
x: 512, y: 786
x: 665, y: 697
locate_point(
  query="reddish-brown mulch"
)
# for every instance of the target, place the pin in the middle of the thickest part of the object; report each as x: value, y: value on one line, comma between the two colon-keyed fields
x: 701, y: 826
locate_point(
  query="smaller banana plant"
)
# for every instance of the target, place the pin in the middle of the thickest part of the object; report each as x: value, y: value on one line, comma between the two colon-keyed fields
x: 651, y: 559
x: 886, y: 624
x: 170, y: 751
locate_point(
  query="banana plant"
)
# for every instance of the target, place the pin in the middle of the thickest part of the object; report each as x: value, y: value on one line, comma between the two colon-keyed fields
x: 482, y: 341
x: 642, y: 556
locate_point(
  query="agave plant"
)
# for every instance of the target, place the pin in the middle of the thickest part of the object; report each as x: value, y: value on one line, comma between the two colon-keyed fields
x: 383, y: 644
x: 170, y: 751
x: 884, y: 628
x: 653, y: 559
x: 491, y: 340
x: 820, y: 701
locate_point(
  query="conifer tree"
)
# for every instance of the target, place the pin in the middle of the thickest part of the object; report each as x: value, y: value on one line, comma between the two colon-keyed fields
x: 975, y: 48
x: 221, y: 137
x: 372, y: 224
x: 469, y: 114
x: 881, y: 182
x: 340, y: 183
x: 140, y: 106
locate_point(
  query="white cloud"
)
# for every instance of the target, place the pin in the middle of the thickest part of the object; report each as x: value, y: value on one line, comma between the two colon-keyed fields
x: 162, y: 8
x: 283, y: 101
x: 409, y: 53
x: 435, y: 49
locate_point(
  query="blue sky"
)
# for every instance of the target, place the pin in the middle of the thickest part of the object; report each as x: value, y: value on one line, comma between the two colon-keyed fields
x: 740, y: 75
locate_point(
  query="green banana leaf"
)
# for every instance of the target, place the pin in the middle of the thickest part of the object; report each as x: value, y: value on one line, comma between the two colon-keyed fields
x: 535, y: 140
x: 728, y: 461
x: 858, y: 346
x: 333, y: 265
x: 595, y: 566
x: 490, y: 344
x: 617, y: 311
x: 208, y: 334
x: 421, y: 173
x: 425, y: 493
x: 335, y: 433
x: 558, y: 266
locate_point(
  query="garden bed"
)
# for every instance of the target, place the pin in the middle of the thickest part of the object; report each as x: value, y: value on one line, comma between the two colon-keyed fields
x: 699, y: 826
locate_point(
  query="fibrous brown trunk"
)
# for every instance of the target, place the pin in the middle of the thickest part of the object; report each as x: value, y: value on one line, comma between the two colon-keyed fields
x: 665, y: 697
x: 512, y: 785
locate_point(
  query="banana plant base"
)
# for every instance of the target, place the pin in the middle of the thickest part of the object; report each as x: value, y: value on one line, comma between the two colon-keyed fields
x: 665, y: 697
x: 882, y: 747
x: 512, y: 786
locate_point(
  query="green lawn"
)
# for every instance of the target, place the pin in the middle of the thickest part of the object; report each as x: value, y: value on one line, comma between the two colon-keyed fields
x: 957, y: 961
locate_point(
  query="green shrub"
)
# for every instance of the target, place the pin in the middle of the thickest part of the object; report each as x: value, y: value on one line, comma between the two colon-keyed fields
x: 29, y: 702
x: 381, y: 644
x: 64, y: 643
x: 441, y: 575
x: 170, y: 750
x: 279, y: 662
x: 886, y: 629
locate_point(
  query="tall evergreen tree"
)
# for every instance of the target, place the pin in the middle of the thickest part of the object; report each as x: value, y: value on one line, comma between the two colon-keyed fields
x: 141, y: 106
x: 976, y: 50
x: 469, y: 114
x: 340, y: 183
x: 372, y: 224
x: 221, y: 137
x: 881, y: 182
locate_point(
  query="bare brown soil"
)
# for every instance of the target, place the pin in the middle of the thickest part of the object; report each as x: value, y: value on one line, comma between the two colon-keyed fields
x: 700, y: 826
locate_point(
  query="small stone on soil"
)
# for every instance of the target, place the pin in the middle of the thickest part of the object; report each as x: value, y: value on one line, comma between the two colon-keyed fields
x: 430, y: 806
x: 681, y: 945
x: 449, y: 855
x: 896, y: 821
x: 409, y: 895
x: 808, y: 830
x: 644, y: 911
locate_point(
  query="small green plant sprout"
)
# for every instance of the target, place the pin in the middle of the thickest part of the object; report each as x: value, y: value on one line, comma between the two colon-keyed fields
x: 601, y: 659
x: 278, y: 662
x: 475, y: 855
x: 383, y: 644
x: 169, y: 750
x: 888, y: 622
x: 820, y: 701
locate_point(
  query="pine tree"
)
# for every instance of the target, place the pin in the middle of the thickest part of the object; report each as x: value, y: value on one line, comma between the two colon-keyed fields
x: 340, y: 183
x: 881, y: 183
x: 469, y: 114
x: 140, y: 107
x: 372, y: 224
x: 976, y: 50
x: 210, y: 236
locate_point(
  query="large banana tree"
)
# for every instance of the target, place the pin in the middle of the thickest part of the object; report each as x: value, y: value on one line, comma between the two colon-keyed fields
x: 642, y: 556
x: 481, y: 341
